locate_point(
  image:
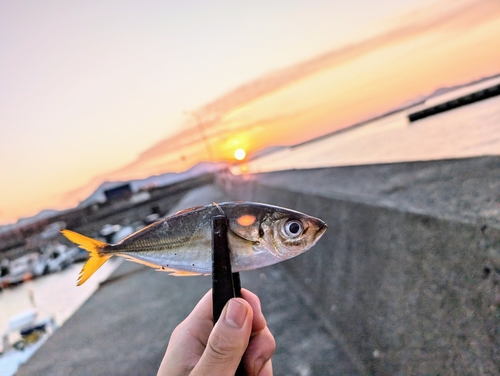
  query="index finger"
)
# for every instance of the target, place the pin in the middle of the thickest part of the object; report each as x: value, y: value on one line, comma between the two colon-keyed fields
x: 202, y: 315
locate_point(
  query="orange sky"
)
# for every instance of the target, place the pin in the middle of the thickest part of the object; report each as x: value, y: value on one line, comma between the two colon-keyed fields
x: 400, y: 57
x: 337, y: 89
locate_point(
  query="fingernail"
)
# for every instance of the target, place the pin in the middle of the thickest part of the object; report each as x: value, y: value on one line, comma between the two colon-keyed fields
x: 236, y: 313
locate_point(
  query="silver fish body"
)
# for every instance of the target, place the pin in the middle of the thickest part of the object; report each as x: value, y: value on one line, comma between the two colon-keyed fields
x: 258, y: 235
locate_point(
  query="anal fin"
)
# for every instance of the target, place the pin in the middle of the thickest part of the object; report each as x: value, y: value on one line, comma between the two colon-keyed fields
x: 183, y: 273
x: 172, y: 271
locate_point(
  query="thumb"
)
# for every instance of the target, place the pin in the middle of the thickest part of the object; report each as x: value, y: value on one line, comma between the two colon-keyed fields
x: 227, y: 341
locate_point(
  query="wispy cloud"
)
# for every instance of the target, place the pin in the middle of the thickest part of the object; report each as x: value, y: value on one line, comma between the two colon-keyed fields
x: 448, y: 18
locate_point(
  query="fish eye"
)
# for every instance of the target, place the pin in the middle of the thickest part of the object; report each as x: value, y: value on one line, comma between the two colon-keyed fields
x: 293, y: 228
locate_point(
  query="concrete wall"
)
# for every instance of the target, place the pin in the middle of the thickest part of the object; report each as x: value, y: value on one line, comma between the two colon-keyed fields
x: 406, y: 292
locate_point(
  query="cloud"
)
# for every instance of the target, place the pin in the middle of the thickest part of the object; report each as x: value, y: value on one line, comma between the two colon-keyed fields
x: 446, y: 18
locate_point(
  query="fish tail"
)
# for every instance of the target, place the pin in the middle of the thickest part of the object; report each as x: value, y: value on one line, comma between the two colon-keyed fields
x: 94, y: 247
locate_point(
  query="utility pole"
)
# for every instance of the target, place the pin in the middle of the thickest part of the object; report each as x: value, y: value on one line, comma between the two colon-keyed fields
x: 201, y: 129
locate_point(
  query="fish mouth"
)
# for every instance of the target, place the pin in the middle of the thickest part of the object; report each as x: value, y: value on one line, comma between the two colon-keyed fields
x: 322, y: 227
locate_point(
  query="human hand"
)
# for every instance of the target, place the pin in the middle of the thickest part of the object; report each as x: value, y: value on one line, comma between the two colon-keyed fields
x: 197, y: 347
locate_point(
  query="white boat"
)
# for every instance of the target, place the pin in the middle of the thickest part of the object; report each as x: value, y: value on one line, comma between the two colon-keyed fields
x: 25, y: 335
x: 55, y: 257
x: 18, y: 271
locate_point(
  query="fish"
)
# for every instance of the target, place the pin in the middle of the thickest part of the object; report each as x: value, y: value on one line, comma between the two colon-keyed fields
x: 258, y: 235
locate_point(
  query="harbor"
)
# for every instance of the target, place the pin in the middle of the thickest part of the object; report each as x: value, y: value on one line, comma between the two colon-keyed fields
x: 394, y: 272
x: 52, y: 299
x: 335, y: 165
x: 404, y: 280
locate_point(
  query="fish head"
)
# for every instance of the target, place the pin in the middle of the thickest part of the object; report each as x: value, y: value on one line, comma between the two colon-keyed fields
x: 287, y: 234
x: 283, y: 232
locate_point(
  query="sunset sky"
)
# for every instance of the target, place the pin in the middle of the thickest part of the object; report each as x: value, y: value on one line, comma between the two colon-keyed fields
x: 111, y: 90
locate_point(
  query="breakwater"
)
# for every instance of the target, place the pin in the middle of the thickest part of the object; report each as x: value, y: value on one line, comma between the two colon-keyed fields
x: 464, y: 100
x: 406, y: 277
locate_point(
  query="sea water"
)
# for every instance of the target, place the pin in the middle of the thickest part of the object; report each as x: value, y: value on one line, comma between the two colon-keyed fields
x: 468, y: 131
x: 55, y: 295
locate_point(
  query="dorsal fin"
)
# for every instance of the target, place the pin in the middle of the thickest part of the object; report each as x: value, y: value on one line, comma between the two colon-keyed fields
x: 219, y: 208
x: 184, y: 211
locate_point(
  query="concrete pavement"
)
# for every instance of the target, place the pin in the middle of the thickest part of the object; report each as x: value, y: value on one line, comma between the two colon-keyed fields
x: 124, y: 328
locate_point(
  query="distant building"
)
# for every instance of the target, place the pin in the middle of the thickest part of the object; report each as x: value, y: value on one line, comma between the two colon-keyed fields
x: 121, y: 192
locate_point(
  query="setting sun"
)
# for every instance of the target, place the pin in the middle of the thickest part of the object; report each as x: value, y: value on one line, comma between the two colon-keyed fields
x: 240, y: 154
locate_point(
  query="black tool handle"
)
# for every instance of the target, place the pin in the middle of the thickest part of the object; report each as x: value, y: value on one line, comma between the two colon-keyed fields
x: 237, y: 285
x: 222, y: 281
x: 225, y: 283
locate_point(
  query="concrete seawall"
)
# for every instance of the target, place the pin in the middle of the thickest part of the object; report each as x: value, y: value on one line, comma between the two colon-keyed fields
x: 407, y: 275
x: 405, y: 281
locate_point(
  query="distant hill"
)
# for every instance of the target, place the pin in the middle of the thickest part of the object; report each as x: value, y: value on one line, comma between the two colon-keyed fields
x: 153, y: 181
x: 136, y: 185
x: 47, y: 213
x: 444, y: 90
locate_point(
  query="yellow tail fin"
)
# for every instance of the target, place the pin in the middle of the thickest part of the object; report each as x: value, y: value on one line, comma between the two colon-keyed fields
x: 96, y: 259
